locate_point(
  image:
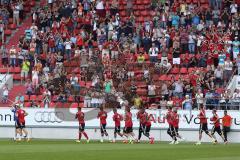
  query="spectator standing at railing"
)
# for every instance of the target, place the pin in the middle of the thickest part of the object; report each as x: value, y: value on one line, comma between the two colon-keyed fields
x: 4, y: 56
x: 238, y: 64
x: 16, y: 10
x: 2, y: 31
x: 227, y: 70
x: 5, y: 94
x: 13, y: 56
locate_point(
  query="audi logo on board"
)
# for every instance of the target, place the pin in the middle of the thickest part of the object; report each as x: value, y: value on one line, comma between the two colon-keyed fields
x: 49, y: 117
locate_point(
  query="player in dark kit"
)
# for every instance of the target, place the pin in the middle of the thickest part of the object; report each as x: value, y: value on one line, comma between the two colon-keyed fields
x: 17, y: 131
x: 170, y: 130
x: 216, y: 125
x: 203, y: 125
x: 102, y: 115
x: 80, y: 116
x: 21, y: 114
x: 145, y: 125
x: 175, y: 123
x: 117, y: 118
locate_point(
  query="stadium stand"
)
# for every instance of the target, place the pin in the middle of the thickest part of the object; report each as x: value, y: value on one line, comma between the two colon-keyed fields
x: 118, y: 52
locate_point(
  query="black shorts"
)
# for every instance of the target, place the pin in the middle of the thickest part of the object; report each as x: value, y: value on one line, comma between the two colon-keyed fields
x: 147, y: 129
x: 117, y: 129
x: 203, y: 128
x: 217, y: 129
x: 226, y: 129
x: 81, y: 127
x: 128, y: 130
x: 170, y: 129
x: 175, y: 129
x: 17, y: 125
x: 103, y: 128
x: 142, y: 128
x: 21, y: 125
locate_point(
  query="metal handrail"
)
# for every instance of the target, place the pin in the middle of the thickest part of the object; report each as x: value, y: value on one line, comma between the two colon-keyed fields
x: 5, y: 76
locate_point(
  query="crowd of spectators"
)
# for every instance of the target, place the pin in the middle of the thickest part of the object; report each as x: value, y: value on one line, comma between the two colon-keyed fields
x: 156, y: 53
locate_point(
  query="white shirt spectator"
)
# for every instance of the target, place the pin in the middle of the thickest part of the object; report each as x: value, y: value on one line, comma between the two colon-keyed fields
x: 233, y: 8
x: 153, y: 51
x: 228, y: 65
x: 100, y: 5
x: 68, y: 45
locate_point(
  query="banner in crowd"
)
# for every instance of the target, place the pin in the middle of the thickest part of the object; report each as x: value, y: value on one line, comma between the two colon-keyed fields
x: 66, y: 118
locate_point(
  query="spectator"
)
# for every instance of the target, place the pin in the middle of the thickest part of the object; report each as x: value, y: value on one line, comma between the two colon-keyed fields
x: 227, y: 70
x: 178, y: 88
x: 13, y: 56
x: 187, y: 104
x: 25, y: 70
x: 5, y: 94
x: 29, y: 88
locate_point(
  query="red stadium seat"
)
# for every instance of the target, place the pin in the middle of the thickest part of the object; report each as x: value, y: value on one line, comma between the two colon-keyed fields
x: 183, y: 71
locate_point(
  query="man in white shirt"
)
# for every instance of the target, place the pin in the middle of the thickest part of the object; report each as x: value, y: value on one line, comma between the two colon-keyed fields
x: 227, y: 70
x: 191, y: 43
x: 68, y: 47
x: 16, y: 10
x: 153, y: 53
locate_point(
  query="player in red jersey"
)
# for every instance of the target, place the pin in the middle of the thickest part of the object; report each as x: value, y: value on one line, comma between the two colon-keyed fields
x: 203, y: 125
x: 216, y: 126
x: 102, y: 115
x: 80, y: 117
x: 128, y: 129
x: 117, y: 118
x: 21, y: 114
x: 170, y: 130
x: 175, y: 123
x: 145, y: 125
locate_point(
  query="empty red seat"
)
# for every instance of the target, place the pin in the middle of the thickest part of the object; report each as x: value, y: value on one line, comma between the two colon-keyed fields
x: 13, y: 26
x: 33, y: 97
x: 175, y: 70
x: 17, y: 77
x: 74, y: 105
x: 26, y: 98
x: 17, y: 70
x: 27, y: 104
x: 163, y: 77
x: 40, y: 97
x: 8, y: 32
x: 3, y: 70
x: 183, y: 71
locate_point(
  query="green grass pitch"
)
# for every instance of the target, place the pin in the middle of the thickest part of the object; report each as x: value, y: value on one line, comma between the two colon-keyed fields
x: 70, y: 150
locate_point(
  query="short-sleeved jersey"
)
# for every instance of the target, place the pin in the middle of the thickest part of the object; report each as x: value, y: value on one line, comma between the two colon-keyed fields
x: 142, y: 117
x: 215, y: 119
x: 175, y: 120
x: 21, y: 115
x: 102, y: 115
x: 117, y: 118
x: 169, y: 117
x: 80, y: 116
x: 128, y: 119
x: 202, y: 116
